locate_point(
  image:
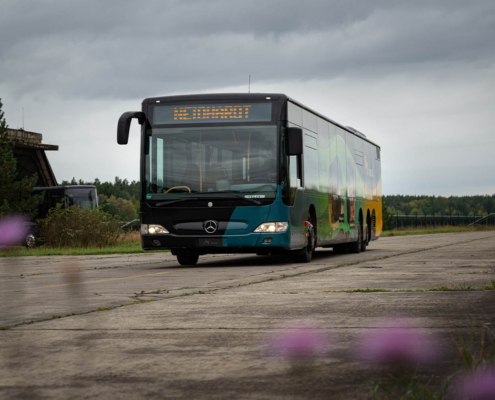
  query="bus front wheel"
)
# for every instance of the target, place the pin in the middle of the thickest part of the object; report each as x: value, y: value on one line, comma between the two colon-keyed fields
x: 187, y: 259
x: 305, y: 255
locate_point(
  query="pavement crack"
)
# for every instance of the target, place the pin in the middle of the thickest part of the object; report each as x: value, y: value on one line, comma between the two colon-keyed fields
x: 275, y: 278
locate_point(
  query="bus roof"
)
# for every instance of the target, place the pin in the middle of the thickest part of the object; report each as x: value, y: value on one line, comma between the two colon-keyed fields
x: 253, y: 96
x: 42, y: 189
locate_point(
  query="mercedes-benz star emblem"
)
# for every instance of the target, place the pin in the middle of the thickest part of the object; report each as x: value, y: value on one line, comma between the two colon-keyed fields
x: 210, y: 204
x: 211, y: 226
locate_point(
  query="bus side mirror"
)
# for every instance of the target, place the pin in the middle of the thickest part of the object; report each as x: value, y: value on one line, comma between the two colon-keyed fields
x: 295, y: 139
x: 125, y: 123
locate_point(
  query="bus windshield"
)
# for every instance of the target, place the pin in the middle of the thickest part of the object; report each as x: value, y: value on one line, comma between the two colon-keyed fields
x: 199, y: 160
x: 84, y: 198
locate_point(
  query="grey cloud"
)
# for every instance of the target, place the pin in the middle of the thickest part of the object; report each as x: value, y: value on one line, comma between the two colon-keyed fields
x: 115, y: 49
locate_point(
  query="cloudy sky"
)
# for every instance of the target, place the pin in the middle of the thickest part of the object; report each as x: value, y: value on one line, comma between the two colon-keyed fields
x: 417, y: 77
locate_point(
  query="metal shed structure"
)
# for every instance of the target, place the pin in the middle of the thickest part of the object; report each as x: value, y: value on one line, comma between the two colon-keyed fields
x: 29, y: 152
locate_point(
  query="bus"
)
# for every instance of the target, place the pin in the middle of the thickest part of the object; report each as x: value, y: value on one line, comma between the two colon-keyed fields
x: 252, y: 173
x: 83, y: 196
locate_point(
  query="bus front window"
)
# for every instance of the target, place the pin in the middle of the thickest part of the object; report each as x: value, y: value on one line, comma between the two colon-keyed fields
x: 196, y: 160
x: 84, y: 198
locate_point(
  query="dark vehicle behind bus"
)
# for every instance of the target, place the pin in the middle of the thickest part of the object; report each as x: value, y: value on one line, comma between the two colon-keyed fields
x: 83, y: 196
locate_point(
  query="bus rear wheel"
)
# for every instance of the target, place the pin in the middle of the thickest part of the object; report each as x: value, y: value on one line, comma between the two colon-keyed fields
x: 364, y: 242
x: 355, y: 247
x: 305, y: 255
x: 187, y: 259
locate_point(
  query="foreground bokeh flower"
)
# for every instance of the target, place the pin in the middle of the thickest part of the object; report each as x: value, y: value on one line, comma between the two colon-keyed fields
x: 479, y: 385
x: 12, y: 231
x: 297, y: 341
x: 397, y: 343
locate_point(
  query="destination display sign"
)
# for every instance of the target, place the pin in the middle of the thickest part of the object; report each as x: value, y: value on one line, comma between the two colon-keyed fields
x: 212, y: 113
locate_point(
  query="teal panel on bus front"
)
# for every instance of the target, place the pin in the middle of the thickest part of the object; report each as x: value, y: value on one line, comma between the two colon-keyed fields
x: 245, y: 220
x: 279, y: 239
x: 249, y: 240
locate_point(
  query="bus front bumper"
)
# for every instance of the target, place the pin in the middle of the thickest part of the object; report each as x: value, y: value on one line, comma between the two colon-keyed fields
x: 250, y: 243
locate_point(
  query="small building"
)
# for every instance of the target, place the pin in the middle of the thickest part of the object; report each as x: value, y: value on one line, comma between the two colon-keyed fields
x: 31, y: 157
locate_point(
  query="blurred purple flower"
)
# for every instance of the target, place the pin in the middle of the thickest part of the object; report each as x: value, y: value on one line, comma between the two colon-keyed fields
x: 479, y: 385
x: 12, y: 231
x: 299, y: 340
x: 398, y: 343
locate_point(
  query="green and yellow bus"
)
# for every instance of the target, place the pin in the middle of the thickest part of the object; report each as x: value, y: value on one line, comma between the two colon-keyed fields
x: 253, y: 173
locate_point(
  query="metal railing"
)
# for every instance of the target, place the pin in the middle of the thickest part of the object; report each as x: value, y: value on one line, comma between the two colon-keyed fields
x: 130, y: 224
x: 485, y: 218
x: 438, y: 221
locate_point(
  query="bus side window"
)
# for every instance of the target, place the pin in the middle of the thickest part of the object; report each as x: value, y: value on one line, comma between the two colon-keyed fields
x: 295, y: 176
x: 295, y: 172
x: 55, y: 197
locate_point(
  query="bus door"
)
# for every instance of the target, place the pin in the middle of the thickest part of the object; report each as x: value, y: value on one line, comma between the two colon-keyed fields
x: 337, y: 182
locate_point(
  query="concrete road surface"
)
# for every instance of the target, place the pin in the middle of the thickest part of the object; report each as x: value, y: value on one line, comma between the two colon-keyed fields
x: 132, y: 326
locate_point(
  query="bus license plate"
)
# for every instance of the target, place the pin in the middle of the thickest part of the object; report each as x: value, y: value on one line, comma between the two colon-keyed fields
x: 213, y: 242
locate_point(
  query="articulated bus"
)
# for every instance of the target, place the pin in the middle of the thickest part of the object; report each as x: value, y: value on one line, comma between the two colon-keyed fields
x: 252, y: 173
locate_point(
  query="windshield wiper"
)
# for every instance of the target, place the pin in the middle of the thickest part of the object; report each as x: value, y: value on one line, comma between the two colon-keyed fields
x: 164, y: 203
x: 233, y: 193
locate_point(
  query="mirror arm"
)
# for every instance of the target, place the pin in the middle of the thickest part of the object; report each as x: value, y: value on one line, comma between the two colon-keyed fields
x: 125, y: 123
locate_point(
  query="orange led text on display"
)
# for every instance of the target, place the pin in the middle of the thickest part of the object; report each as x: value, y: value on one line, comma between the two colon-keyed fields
x: 211, y: 112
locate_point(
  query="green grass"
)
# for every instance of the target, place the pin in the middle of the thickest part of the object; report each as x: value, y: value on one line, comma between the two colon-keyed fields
x: 367, y: 290
x: 442, y: 288
x: 490, y: 286
x: 438, y: 288
x: 420, y: 231
x: 128, y: 248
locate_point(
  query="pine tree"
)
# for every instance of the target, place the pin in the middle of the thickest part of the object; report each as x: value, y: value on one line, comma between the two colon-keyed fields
x: 15, y: 195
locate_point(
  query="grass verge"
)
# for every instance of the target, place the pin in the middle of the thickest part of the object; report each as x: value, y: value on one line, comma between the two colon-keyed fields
x: 125, y: 247
x: 130, y: 243
x: 447, y: 229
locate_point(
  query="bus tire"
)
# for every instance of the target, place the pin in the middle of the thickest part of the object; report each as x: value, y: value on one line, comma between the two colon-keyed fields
x: 30, y: 241
x: 187, y: 259
x: 305, y: 255
x: 364, y: 242
x: 355, y: 247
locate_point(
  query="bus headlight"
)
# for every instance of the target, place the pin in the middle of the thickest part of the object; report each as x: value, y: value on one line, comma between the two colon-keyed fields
x: 272, y: 227
x: 152, y: 229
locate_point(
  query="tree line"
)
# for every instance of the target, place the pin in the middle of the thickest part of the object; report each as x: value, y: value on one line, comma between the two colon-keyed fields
x: 438, y: 205
x: 121, y: 193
